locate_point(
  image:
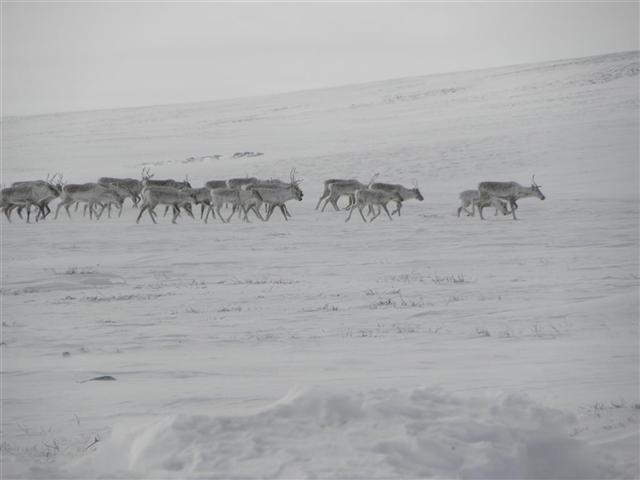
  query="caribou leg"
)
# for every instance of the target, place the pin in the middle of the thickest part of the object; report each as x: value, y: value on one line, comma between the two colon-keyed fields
x: 218, y: 207
x: 140, y: 214
x: 66, y: 206
x: 349, y: 216
x: 324, y: 205
x: 387, y: 211
x: 324, y: 195
x: 377, y: 215
x: 45, y: 210
x: 334, y: 203
x: 106, y: 206
x: 352, y: 201
x: 257, y: 212
x: 286, y: 210
x: 233, y: 212
x: 270, y: 212
x: 284, y: 213
x: 361, y: 212
x: 210, y: 211
x: 152, y: 213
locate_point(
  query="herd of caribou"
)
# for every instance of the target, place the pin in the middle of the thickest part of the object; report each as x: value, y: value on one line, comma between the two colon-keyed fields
x: 241, y: 195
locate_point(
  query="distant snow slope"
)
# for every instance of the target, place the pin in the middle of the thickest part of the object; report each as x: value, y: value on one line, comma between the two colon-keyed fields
x: 430, y: 346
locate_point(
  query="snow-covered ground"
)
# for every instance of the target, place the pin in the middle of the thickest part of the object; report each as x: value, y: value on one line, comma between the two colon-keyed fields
x: 430, y: 346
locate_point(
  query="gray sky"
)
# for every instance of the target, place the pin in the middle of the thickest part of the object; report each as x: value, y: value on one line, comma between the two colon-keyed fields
x: 82, y: 56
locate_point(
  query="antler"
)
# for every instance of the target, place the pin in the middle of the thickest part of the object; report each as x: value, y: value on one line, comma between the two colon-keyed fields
x: 533, y: 181
x: 292, y: 177
x: 146, y: 173
x: 373, y: 179
x: 57, y: 179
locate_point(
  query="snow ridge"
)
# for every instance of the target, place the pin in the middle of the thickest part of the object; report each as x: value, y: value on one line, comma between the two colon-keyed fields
x: 423, y: 433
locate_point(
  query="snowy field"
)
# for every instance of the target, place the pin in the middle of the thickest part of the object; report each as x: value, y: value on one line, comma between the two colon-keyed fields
x: 430, y: 346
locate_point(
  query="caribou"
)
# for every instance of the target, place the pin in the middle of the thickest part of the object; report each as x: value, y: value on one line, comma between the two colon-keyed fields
x: 92, y: 194
x: 327, y: 191
x: 147, y: 181
x: 202, y: 197
x: 271, y: 183
x: 126, y: 187
x: 472, y: 198
x: 276, y: 195
x: 509, y: 191
x: 42, y: 192
x: 405, y: 193
x: 339, y: 188
x: 241, y: 200
x: 153, y: 196
x: 374, y: 198
x: 19, y: 197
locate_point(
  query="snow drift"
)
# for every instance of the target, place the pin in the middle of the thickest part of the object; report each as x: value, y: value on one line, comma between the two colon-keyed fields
x: 379, y: 434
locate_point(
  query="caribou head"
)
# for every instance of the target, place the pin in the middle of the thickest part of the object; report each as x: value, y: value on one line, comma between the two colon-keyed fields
x: 416, y: 191
x: 536, y: 188
x: 55, y: 183
x: 295, y: 185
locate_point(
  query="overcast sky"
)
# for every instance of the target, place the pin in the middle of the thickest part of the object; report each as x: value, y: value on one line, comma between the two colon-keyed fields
x: 82, y: 56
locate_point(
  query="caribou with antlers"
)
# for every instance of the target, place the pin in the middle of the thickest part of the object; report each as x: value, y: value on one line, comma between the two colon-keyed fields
x: 509, y: 191
x: 147, y: 181
x: 42, y: 192
x: 277, y: 194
